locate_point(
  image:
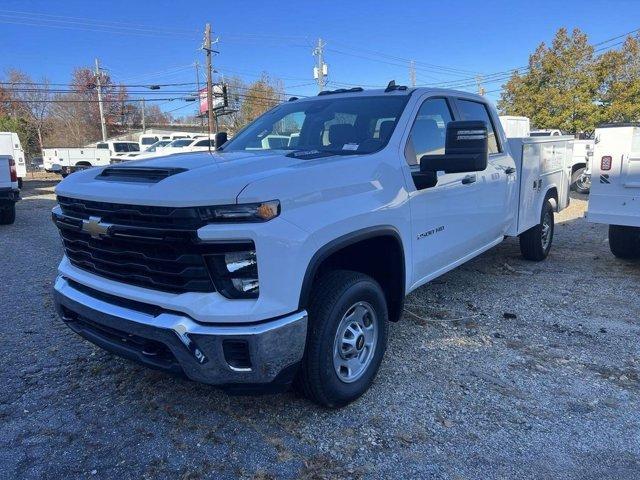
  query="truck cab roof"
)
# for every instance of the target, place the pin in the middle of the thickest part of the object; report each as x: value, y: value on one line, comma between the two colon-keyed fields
x: 398, y: 90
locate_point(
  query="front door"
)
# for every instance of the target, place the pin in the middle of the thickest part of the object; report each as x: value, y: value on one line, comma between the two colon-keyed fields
x: 445, y: 222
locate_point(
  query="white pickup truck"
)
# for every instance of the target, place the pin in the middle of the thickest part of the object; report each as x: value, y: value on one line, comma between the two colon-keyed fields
x: 9, y: 191
x: 255, y: 266
x: 615, y: 190
x: 67, y: 160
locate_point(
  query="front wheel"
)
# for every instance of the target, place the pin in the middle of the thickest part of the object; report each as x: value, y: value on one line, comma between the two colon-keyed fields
x: 535, y: 243
x: 346, y: 338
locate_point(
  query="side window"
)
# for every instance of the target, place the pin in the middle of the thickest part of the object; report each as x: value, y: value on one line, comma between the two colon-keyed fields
x: 470, y: 110
x: 428, y: 133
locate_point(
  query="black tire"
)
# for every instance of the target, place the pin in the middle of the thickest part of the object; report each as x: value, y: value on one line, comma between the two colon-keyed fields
x: 624, y: 242
x: 578, y: 184
x: 20, y: 183
x: 333, y: 296
x: 8, y: 215
x: 533, y: 245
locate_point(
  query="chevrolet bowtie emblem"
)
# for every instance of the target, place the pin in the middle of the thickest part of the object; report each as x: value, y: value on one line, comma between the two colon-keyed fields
x: 95, y: 227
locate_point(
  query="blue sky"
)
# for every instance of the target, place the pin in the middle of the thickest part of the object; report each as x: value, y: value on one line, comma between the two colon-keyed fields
x: 156, y: 42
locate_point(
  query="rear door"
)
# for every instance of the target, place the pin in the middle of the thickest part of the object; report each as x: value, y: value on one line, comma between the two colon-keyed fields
x: 496, y: 183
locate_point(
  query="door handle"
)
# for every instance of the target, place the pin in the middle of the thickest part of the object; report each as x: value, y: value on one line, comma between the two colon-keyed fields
x: 469, y: 179
x: 510, y: 170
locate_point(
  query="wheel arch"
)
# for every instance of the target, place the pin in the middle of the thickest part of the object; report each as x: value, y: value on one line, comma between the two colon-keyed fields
x: 552, y: 194
x: 578, y: 166
x: 351, y: 251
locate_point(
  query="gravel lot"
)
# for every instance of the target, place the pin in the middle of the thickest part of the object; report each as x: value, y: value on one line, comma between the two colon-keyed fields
x: 499, y: 369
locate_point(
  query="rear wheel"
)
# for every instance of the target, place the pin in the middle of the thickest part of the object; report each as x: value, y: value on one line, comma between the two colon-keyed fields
x: 535, y: 243
x: 346, y: 338
x: 580, y: 181
x: 624, y: 242
x: 8, y: 214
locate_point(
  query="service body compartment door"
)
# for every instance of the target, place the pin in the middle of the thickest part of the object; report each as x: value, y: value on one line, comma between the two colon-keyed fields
x: 631, y: 163
x: 542, y: 164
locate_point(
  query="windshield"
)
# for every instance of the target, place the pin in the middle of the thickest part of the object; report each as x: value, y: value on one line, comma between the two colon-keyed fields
x: 148, y: 140
x: 333, y: 125
x: 181, y: 143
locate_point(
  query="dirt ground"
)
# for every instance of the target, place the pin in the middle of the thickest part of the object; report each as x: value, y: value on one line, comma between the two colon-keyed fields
x: 500, y: 369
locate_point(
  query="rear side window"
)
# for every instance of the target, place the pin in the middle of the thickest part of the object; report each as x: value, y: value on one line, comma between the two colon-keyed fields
x: 470, y: 110
x: 429, y: 130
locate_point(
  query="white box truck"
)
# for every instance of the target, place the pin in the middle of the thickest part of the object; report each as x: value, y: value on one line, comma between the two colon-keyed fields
x: 10, y: 146
x: 515, y: 126
x: 262, y: 264
x: 615, y: 186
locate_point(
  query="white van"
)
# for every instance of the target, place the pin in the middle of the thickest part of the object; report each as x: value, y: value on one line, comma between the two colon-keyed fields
x: 10, y: 145
x: 615, y: 186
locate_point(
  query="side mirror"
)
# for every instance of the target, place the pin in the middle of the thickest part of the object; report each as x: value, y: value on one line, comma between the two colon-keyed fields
x: 220, y: 138
x: 466, y: 149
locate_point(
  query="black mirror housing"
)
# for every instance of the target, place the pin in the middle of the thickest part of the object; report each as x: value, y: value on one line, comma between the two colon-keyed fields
x: 220, y: 138
x: 466, y: 149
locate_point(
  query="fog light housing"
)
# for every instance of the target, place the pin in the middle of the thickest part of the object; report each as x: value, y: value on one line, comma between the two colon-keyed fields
x: 235, y: 273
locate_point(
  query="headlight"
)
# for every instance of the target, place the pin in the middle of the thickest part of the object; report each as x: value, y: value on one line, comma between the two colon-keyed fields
x: 247, y: 212
x: 235, y: 273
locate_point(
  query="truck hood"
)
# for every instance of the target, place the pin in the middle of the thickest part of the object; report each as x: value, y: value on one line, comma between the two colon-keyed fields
x: 208, y: 179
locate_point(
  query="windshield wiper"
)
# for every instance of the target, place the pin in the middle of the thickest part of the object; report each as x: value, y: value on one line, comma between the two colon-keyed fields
x: 309, y: 154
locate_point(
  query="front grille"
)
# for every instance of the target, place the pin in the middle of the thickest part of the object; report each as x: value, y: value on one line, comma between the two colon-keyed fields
x: 147, y: 246
x: 158, y: 265
x: 134, y: 215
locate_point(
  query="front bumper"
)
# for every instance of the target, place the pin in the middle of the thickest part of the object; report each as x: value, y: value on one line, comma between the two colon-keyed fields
x: 216, y: 354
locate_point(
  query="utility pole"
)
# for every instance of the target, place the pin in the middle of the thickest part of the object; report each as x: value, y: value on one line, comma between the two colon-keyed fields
x: 412, y: 73
x: 320, y: 71
x: 103, y: 124
x: 481, y: 89
x: 197, y: 65
x: 144, y: 124
x: 209, y: 51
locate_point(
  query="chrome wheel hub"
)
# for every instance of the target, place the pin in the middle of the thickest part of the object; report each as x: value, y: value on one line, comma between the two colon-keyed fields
x: 355, y: 342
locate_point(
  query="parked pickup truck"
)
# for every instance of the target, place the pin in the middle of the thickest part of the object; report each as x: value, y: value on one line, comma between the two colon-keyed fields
x: 615, y: 190
x: 9, y: 191
x: 259, y: 266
